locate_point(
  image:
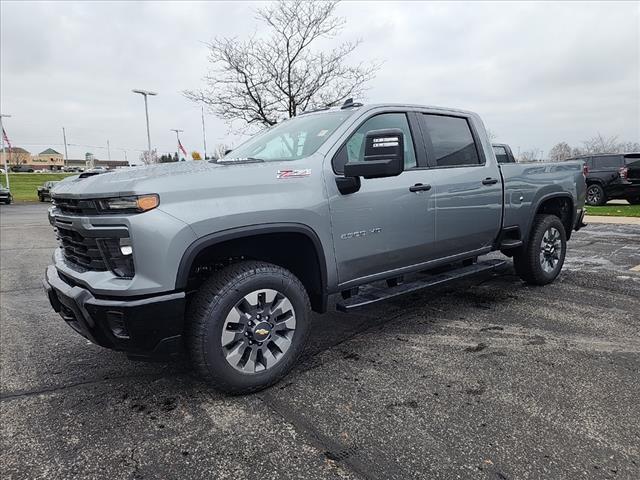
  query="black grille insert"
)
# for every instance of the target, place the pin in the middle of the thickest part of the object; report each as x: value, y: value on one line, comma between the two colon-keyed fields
x: 80, y: 250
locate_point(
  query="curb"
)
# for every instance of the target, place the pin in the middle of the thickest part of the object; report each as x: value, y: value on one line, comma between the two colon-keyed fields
x: 617, y: 220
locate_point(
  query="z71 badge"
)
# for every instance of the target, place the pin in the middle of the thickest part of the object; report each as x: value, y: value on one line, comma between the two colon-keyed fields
x: 293, y: 173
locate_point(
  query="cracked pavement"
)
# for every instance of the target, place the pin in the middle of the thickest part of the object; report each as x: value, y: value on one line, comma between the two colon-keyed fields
x: 488, y: 378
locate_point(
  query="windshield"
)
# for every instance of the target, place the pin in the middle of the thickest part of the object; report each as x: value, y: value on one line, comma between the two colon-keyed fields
x: 292, y: 139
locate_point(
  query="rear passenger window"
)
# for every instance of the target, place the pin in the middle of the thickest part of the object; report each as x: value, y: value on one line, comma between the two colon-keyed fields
x: 612, y: 161
x: 452, y: 141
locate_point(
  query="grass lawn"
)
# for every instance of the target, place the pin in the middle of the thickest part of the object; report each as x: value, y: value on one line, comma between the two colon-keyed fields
x: 614, y: 210
x: 24, y: 185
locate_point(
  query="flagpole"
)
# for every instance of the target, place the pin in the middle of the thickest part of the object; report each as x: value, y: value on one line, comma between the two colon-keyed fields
x: 3, y: 135
x: 178, y: 139
x: 204, y: 136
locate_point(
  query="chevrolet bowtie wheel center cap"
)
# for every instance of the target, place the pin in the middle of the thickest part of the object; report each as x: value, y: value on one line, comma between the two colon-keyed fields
x: 261, y: 331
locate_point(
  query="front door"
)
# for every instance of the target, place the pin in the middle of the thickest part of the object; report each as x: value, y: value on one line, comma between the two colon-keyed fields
x: 384, y: 226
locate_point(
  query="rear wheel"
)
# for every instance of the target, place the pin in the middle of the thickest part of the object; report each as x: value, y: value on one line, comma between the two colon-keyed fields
x: 540, y: 261
x: 596, y: 195
x: 247, y: 326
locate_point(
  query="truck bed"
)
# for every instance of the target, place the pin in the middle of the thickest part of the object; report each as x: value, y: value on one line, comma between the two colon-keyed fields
x: 527, y: 184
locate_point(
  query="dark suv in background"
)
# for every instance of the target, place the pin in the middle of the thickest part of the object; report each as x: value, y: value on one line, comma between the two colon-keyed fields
x: 612, y: 176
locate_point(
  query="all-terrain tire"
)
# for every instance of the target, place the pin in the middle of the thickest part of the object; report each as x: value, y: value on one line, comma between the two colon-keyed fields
x: 210, y: 307
x: 539, y: 263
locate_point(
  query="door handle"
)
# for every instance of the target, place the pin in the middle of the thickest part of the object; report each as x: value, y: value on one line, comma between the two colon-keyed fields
x: 489, y: 181
x: 419, y: 187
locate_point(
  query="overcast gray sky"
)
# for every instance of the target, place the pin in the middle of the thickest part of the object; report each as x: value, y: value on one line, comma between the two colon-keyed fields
x: 538, y: 73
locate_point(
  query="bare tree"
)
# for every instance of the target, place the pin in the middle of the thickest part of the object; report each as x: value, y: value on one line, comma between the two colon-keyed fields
x: 264, y: 80
x: 601, y: 144
x: 560, y: 151
x: 149, y: 157
x: 627, y: 147
x: 531, y: 155
x: 220, y: 149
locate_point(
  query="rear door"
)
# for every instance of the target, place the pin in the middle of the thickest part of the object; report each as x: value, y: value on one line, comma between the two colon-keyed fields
x: 467, y: 185
x: 386, y: 225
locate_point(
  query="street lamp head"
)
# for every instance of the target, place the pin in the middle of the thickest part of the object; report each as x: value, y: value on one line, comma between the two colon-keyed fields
x: 144, y: 92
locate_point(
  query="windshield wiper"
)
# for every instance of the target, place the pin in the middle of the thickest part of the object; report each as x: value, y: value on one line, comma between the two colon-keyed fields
x: 240, y: 160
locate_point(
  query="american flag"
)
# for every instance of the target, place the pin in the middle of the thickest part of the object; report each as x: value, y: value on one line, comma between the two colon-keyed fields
x: 6, y: 139
x: 182, y: 148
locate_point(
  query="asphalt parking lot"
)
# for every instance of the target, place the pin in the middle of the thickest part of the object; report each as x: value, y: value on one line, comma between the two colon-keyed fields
x: 487, y: 379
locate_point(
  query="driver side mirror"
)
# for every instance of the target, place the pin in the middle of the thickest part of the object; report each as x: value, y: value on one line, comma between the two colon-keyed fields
x: 383, y: 155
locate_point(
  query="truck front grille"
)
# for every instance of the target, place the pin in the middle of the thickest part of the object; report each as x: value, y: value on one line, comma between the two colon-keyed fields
x: 72, y: 206
x: 80, y: 251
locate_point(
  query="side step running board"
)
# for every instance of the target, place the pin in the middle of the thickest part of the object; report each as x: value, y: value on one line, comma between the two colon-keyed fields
x: 368, y: 294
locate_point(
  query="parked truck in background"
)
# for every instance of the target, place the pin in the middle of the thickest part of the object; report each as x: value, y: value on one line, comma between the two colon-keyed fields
x: 612, y: 176
x: 225, y: 261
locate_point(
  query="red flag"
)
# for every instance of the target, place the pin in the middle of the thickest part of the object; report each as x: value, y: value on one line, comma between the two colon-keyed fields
x: 6, y: 139
x: 182, y: 148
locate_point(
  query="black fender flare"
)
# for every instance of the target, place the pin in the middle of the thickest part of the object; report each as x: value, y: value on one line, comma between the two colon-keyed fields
x: 211, y: 239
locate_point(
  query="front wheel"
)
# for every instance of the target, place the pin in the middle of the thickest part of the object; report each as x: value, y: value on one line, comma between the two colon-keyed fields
x: 247, y: 326
x: 540, y: 261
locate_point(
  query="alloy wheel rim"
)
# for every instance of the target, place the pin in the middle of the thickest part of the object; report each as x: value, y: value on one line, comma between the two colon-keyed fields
x: 258, y: 331
x: 593, y: 195
x: 550, y: 249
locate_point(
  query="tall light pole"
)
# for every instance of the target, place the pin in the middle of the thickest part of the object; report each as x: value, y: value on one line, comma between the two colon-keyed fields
x: 145, y: 94
x: 178, y: 139
x: 204, y: 136
x: 66, y: 154
x: 6, y: 169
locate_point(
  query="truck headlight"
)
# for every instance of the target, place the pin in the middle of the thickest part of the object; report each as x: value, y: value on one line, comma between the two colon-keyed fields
x: 129, y: 204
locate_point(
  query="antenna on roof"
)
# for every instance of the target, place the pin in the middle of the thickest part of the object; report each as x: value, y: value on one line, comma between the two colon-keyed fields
x: 349, y: 103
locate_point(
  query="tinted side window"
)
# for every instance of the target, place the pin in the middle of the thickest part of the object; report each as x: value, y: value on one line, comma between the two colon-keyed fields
x: 353, y: 150
x: 452, y: 141
x: 612, y: 161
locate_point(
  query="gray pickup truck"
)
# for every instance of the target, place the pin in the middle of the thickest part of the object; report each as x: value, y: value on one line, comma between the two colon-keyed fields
x: 225, y: 261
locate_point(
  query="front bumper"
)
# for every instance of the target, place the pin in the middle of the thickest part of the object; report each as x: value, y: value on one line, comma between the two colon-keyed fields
x: 148, y: 327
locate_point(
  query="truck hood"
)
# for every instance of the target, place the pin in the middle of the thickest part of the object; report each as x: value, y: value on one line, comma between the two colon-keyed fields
x: 190, y: 178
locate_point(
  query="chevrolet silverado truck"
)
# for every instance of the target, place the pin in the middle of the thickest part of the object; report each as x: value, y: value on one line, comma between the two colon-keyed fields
x: 226, y: 260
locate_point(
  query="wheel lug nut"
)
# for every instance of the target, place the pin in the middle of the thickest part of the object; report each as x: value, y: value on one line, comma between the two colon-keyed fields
x: 246, y: 334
